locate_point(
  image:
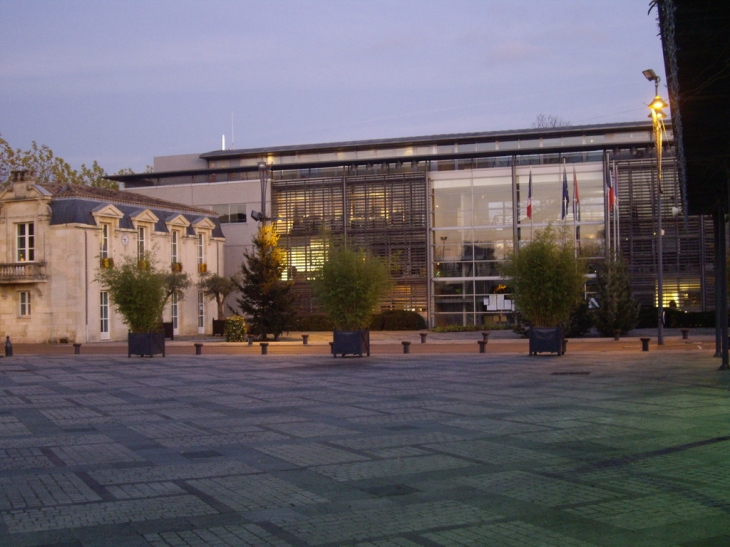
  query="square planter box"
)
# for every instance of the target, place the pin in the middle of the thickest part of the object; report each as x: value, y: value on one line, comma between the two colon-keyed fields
x: 351, y: 342
x: 548, y: 340
x: 219, y: 327
x: 146, y: 343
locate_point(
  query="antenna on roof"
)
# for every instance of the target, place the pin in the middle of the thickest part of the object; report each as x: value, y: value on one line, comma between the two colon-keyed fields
x: 223, y: 142
x: 231, y: 129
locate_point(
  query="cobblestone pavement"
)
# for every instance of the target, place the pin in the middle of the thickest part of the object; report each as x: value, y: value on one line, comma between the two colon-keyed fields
x: 589, y: 449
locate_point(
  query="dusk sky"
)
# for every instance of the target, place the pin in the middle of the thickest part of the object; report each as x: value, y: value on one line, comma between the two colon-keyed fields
x: 121, y: 82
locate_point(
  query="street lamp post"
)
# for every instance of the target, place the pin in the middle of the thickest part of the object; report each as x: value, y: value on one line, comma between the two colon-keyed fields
x: 657, y: 116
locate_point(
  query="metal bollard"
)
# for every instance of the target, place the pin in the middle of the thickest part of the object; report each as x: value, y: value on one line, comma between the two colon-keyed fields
x: 305, y: 339
x: 264, y: 348
x: 77, y: 349
x: 485, y: 335
x: 406, y: 347
x: 8, y: 347
x: 645, y: 343
x: 617, y: 335
x: 250, y: 340
x: 482, y: 346
x: 198, y: 348
x: 423, y: 337
x: 685, y: 334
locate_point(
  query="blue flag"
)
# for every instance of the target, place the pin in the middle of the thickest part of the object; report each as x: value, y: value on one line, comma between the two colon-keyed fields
x: 566, y: 196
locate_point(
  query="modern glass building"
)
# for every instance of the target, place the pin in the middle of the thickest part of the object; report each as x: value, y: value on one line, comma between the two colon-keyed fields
x: 446, y: 210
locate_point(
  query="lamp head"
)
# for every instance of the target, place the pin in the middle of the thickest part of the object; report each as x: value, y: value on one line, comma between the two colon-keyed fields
x: 658, y: 103
x: 650, y: 75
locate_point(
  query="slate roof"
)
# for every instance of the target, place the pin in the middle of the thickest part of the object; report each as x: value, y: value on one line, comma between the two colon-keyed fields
x: 75, y: 204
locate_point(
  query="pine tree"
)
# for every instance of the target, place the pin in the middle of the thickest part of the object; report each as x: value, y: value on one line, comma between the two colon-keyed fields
x: 265, y: 299
x: 617, y: 309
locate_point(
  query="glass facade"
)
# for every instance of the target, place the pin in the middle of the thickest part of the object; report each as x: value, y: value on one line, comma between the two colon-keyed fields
x: 480, y: 215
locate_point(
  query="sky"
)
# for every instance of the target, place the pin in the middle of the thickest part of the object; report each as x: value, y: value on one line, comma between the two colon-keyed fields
x: 121, y: 82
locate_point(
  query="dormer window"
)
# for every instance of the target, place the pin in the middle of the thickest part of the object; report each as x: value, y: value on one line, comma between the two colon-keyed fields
x: 26, y: 242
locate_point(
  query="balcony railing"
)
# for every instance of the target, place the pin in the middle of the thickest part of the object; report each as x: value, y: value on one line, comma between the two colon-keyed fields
x: 23, y: 272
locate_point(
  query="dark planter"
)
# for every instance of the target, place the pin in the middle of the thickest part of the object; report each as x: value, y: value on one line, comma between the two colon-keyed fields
x: 168, y: 329
x: 219, y: 327
x: 546, y: 340
x: 351, y: 342
x: 146, y: 343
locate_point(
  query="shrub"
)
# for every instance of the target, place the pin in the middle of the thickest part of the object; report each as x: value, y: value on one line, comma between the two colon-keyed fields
x: 235, y: 329
x: 315, y: 322
x: 397, y: 320
x: 350, y: 287
x: 547, y: 278
x: 458, y: 328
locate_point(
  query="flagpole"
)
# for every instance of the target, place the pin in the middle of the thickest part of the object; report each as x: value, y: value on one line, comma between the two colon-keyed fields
x: 608, y: 224
x: 532, y: 213
x: 576, y: 212
x: 617, y: 230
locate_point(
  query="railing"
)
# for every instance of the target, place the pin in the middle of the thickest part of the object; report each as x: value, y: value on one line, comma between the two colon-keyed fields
x: 23, y: 272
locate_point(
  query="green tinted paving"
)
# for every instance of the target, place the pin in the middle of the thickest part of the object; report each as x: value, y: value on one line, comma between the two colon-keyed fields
x: 388, y: 451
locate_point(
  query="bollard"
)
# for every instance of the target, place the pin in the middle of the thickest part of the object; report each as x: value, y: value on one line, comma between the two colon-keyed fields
x: 645, y: 344
x: 565, y: 345
x: 406, y: 347
x: 482, y: 345
x: 305, y: 339
x: 264, y: 348
x: 8, y: 347
x: 198, y: 348
x: 485, y: 335
x: 332, y: 349
x: 617, y: 335
x: 685, y: 334
x: 250, y: 340
x: 423, y: 337
x: 77, y: 349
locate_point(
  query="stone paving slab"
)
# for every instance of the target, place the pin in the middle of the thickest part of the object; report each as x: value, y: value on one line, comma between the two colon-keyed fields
x: 589, y: 449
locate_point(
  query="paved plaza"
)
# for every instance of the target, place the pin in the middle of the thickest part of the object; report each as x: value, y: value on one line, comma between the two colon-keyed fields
x: 602, y: 448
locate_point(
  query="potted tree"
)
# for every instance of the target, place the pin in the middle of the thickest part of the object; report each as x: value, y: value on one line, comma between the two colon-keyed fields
x: 217, y: 287
x: 548, y: 284
x: 176, y: 283
x: 349, y: 289
x: 138, y: 293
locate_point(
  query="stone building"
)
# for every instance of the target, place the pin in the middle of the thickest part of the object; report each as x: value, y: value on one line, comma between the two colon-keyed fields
x: 54, y: 239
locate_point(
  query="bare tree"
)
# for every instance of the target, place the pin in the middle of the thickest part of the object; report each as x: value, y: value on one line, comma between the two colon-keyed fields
x: 548, y: 120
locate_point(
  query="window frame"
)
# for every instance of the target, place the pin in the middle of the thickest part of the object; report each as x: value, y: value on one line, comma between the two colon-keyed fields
x: 105, y: 240
x: 25, y: 252
x: 141, y: 241
x: 104, y: 316
x: 24, y: 304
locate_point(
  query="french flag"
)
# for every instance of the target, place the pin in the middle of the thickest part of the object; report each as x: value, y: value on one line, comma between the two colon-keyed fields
x: 609, y: 187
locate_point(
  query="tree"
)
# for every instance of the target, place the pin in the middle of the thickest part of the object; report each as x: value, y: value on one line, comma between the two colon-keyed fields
x: 49, y: 168
x: 265, y: 299
x: 138, y: 291
x: 218, y: 288
x: 543, y: 121
x: 350, y: 287
x: 617, y: 309
x: 176, y: 283
x: 547, y: 278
